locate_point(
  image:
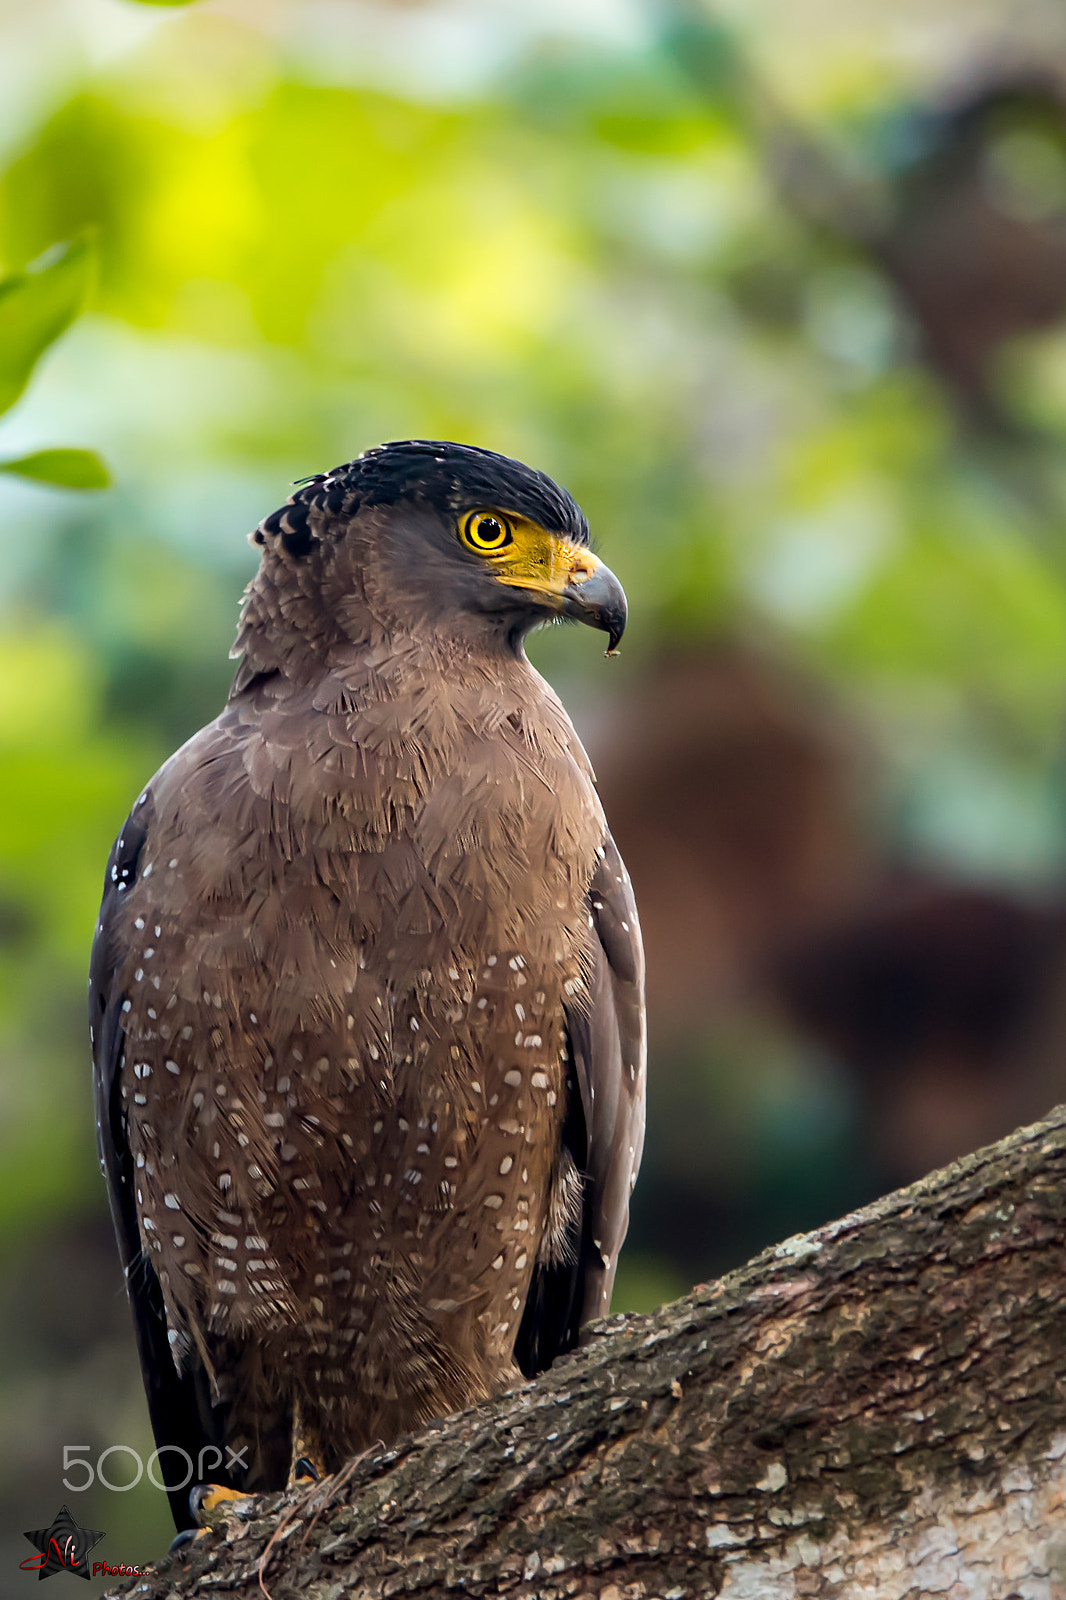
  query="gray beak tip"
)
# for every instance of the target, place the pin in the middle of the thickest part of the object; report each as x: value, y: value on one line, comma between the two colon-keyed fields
x: 601, y: 603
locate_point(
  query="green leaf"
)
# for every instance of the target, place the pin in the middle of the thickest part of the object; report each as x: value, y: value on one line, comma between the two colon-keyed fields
x: 69, y: 469
x: 35, y: 308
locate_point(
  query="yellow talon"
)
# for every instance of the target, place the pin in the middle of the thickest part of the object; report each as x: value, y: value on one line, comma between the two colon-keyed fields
x: 306, y: 1461
x: 212, y: 1505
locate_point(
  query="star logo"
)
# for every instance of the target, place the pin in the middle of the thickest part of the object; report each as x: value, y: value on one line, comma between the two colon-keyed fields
x: 62, y: 1547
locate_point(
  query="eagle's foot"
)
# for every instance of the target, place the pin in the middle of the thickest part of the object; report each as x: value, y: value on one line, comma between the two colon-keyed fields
x: 306, y: 1461
x: 214, y: 1505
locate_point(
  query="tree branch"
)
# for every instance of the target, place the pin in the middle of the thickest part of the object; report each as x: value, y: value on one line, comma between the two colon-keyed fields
x: 878, y: 1408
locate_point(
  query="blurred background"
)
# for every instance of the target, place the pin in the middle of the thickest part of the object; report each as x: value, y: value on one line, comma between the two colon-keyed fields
x: 779, y: 293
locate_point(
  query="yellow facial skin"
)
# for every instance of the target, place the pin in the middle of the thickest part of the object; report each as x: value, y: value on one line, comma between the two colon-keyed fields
x: 525, y: 556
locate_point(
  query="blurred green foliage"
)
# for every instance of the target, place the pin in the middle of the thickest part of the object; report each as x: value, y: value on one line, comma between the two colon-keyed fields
x: 36, y: 306
x: 321, y: 227
x: 67, y: 469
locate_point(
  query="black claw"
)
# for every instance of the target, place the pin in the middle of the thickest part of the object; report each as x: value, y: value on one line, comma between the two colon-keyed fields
x: 180, y: 1540
x: 303, y: 1468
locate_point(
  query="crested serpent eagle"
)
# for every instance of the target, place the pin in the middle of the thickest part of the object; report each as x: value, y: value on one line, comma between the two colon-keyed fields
x: 367, y: 986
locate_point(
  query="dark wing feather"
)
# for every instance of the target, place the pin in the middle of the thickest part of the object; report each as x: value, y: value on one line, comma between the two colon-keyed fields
x: 604, y: 1127
x: 183, y: 1418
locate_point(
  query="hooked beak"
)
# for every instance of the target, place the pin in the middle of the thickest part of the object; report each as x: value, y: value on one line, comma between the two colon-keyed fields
x: 594, y: 595
x: 567, y: 577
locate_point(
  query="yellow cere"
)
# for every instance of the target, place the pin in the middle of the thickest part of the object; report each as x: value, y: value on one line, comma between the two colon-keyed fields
x: 525, y: 555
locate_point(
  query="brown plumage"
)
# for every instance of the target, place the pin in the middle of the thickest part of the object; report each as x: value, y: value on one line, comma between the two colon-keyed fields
x: 367, y: 986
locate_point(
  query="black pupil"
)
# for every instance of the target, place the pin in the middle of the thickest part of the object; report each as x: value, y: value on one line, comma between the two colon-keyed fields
x: 489, y: 531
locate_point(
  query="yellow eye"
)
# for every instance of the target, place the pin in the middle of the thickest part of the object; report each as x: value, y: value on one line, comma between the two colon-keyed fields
x: 487, y: 532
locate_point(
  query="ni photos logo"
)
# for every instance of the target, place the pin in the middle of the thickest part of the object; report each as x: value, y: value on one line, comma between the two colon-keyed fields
x: 62, y: 1547
x: 65, y: 1546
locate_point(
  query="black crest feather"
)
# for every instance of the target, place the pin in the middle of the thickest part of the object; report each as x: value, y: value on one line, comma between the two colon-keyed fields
x: 452, y: 478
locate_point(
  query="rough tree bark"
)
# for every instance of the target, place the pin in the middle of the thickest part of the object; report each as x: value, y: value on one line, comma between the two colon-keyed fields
x: 876, y: 1409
